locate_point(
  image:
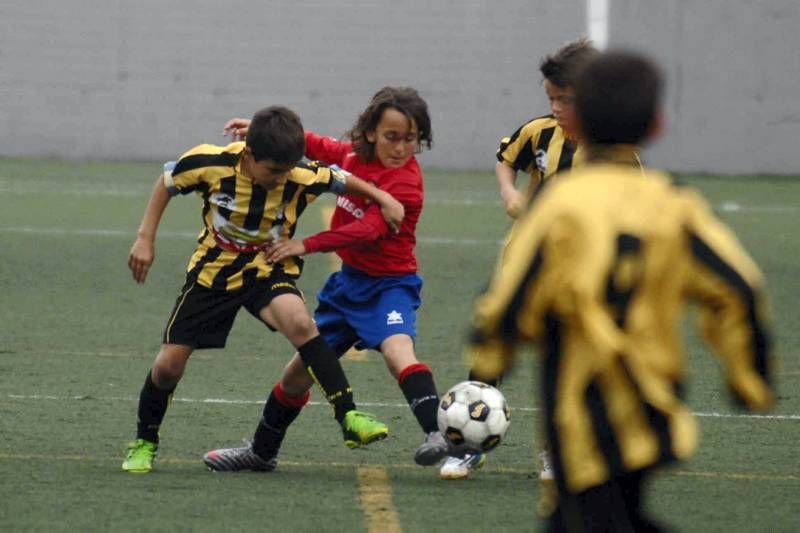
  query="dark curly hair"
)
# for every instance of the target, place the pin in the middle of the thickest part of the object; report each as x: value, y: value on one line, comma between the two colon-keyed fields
x: 405, y: 100
x: 560, y: 67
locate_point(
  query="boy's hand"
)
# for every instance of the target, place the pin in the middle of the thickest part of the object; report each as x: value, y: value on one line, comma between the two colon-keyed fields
x: 282, y: 249
x: 393, y: 212
x: 140, y: 258
x: 514, y: 202
x: 236, y: 128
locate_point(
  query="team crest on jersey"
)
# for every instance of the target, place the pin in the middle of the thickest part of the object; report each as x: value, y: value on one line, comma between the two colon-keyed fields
x: 540, y: 156
x: 276, y: 231
x: 223, y: 200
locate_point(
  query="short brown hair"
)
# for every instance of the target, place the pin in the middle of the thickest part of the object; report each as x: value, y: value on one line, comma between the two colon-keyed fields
x: 276, y: 133
x: 405, y: 100
x: 617, y: 97
x: 559, y: 68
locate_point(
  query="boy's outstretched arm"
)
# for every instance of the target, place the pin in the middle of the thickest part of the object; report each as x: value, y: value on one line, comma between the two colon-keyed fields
x: 392, y: 210
x: 142, y: 252
x: 513, y: 200
x: 362, y: 230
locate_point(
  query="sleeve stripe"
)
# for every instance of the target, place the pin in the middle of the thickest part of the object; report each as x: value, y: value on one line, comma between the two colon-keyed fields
x: 544, y: 138
x: 508, y: 322
x: 565, y: 159
x: 760, y: 340
x: 524, y: 157
x: 193, y: 162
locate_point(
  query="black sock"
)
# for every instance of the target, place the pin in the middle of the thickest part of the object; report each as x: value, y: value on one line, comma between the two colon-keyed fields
x: 492, y: 382
x: 153, y: 403
x: 416, y: 382
x: 277, y: 417
x: 324, y: 366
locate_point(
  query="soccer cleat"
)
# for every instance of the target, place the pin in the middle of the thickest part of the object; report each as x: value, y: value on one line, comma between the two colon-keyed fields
x: 547, y: 502
x: 139, y: 456
x: 433, y: 450
x: 359, y: 429
x: 547, y: 468
x: 548, y: 495
x: 459, y: 467
x: 237, y: 459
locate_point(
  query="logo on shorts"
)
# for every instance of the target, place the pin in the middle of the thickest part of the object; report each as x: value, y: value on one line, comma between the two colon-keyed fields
x: 394, y: 318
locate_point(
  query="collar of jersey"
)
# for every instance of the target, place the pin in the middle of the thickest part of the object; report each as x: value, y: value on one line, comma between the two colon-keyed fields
x: 618, y: 154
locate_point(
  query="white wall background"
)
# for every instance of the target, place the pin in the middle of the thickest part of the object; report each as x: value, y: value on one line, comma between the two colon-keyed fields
x: 146, y: 79
x: 733, y: 71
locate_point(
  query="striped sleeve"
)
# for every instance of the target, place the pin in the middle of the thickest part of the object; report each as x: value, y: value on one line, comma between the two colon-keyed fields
x: 517, y: 151
x: 187, y: 174
x: 319, y: 178
x: 497, y: 324
x: 729, y: 288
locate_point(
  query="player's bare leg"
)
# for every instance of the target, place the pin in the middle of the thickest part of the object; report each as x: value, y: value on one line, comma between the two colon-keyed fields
x: 154, y: 399
x: 416, y: 382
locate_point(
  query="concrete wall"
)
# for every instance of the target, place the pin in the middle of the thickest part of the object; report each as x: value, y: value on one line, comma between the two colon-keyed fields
x: 733, y: 70
x: 146, y: 79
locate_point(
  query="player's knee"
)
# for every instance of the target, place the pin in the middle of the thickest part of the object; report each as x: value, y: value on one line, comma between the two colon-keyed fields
x: 169, y: 366
x: 398, y: 353
x: 299, y: 325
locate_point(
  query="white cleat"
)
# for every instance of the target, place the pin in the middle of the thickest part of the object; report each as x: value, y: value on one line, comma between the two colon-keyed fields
x: 459, y: 467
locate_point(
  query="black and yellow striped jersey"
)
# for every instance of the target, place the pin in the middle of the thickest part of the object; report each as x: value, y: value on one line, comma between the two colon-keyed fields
x: 603, y: 264
x: 240, y: 218
x: 540, y: 148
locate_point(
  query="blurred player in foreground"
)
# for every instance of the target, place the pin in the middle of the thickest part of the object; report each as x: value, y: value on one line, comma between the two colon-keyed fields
x: 598, y: 276
x: 372, y: 301
x: 541, y: 147
x: 253, y: 192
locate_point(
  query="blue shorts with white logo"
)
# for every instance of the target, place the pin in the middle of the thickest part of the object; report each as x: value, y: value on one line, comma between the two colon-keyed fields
x: 358, y: 309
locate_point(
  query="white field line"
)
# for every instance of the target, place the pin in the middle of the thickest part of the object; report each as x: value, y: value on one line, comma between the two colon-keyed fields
x: 224, y: 401
x: 476, y: 199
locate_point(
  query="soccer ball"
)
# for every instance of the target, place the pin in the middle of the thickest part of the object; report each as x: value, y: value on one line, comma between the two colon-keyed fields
x: 473, y: 416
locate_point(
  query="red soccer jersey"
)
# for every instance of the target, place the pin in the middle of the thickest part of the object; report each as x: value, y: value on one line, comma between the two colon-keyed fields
x: 358, y: 233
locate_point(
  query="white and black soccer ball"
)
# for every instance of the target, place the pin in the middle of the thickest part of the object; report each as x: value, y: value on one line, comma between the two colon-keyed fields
x: 473, y: 416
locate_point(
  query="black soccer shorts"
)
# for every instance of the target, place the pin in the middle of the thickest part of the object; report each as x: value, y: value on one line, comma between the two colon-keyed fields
x: 203, y: 317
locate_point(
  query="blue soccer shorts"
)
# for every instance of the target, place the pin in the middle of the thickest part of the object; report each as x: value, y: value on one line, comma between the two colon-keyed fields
x: 358, y: 309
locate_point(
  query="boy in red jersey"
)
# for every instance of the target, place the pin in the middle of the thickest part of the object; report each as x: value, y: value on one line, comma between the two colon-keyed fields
x: 372, y: 301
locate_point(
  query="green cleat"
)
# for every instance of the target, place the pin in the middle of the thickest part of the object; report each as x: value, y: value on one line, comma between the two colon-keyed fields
x: 361, y: 428
x: 139, y: 457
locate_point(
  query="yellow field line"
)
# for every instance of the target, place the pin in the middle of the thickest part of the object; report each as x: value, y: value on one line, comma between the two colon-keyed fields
x: 374, y: 489
x: 488, y: 469
x: 375, y: 499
